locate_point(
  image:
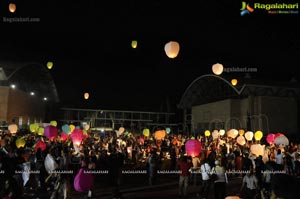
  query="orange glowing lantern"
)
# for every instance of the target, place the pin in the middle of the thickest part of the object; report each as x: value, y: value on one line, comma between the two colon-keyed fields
x: 217, y: 69
x: 234, y: 82
x: 13, y: 128
x: 86, y: 96
x: 172, y: 49
x: 12, y: 7
x: 160, y: 134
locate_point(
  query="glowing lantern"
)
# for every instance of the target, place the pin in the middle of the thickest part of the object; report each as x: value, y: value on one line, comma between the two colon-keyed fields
x: 146, y: 132
x: 53, y: 123
x: 241, y: 132
x: 40, y: 144
x: 66, y: 128
x: 270, y: 138
x: 41, y: 131
x: 232, y: 133
x: 50, y: 132
x: 83, y: 181
x: 277, y: 135
x: 49, y: 65
x: 222, y: 132
x: 258, y: 135
x: 160, y: 134
x: 63, y: 136
x: 249, y: 135
x: 34, y: 127
x: 86, y: 96
x: 257, y: 149
x: 77, y: 136
x: 217, y: 69
x: 121, y: 130
x: 241, y: 140
x: 13, y: 128
x: 72, y: 127
x: 168, y: 130
x: 172, y: 49
x: 193, y: 147
x: 20, y: 142
x: 215, y: 134
x: 12, y: 7
x: 234, y: 82
x: 281, y: 141
x: 134, y: 43
x: 87, y: 127
x: 207, y: 133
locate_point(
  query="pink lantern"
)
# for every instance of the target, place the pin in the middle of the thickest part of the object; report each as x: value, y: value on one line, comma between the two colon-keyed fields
x: 83, y: 181
x: 40, y: 144
x: 77, y: 136
x: 241, y: 140
x: 193, y: 147
x: 50, y: 132
x: 270, y: 138
x: 63, y: 136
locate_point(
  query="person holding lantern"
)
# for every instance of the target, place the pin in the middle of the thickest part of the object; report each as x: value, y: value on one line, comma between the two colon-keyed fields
x: 184, y: 165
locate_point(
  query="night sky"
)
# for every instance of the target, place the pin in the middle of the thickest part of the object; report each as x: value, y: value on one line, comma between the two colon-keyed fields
x: 89, y: 43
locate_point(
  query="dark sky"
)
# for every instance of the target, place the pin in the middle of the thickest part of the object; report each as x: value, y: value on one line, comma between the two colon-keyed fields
x: 89, y: 43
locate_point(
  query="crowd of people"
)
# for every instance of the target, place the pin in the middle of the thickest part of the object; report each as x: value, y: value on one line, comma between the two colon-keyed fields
x: 219, y: 160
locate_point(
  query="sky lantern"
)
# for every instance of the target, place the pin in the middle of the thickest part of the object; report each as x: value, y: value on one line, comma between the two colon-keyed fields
x: 83, y: 181
x: 257, y: 149
x: 278, y: 134
x: 207, y: 133
x: 193, y: 147
x: 20, y: 142
x: 50, y: 132
x: 234, y: 82
x: 49, y: 65
x: 53, y: 123
x: 172, y: 49
x: 146, y: 132
x: 241, y: 140
x: 77, y: 136
x: 13, y: 128
x: 249, y: 135
x: 160, y: 134
x: 86, y: 127
x: 281, y: 141
x: 222, y: 132
x: 64, y: 136
x: 258, y: 135
x: 241, y: 132
x: 66, y: 128
x: 41, y: 131
x: 34, y: 127
x: 232, y: 133
x: 40, y: 144
x: 72, y: 127
x: 217, y: 69
x: 215, y: 134
x: 134, y: 43
x: 270, y: 138
x: 121, y: 130
x: 168, y: 130
x: 86, y: 96
x: 12, y: 7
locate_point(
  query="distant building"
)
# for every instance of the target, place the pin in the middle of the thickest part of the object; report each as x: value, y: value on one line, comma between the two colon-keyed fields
x: 26, y: 89
x: 212, y: 102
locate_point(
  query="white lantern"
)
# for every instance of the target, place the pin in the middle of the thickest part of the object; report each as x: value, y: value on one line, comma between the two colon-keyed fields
x: 13, y: 128
x: 281, y: 141
x: 257, y: 149
x: 222, y: 132
x: 241, y: 140
x: 215, y: 134
x: 232, y: 133
x: 172, y: 49
x: 217, y: 69
x: 86, y: 96
x: 249, y: 135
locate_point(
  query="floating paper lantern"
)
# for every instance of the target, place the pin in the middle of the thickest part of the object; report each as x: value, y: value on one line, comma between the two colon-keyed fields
x: 12, y: 7
x: 258, y: 135
x: 53, y: 123
x: 281, y: 140
x: 50, y: 163
x: 134, y: 43
x: 87, y: 127
x: 168, y: 130
x: 121, y: 130
x: 193, y: 147
x: 217, y: 69
x: 86, y: 96
x: 234, y: 82
x: 64, y: 136
x: 241, y: 132
x: 40, y: 144
x: 72, y: 127
x: 278, y: 134
x: 215, y: 134
x: 41, y: 131
x: 50, y: 132
x: 249, y: 135
x: 241, y: 140
x: 146, y: 132
x: 207, y: 133
x: 83, y: 181
x: 49, y: 65
x: 34, y: 127
x: 257, y: 149
x: 77, y: 136
x: 172, y: 49
x: 20, y: 142
x: 270, y: 138
x: 160, y: 134
x: 232, y: 133
x: 222, y: 132
x: 13, y: 128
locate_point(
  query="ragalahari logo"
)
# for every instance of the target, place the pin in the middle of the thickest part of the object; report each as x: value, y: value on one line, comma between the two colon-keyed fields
x: 246, y: 9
